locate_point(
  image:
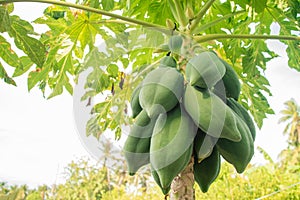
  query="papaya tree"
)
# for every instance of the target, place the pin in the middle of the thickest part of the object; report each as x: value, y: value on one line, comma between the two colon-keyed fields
x: 184, y: 73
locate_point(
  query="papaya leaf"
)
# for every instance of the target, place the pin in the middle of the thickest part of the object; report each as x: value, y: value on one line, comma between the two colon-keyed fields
x: 93, y: 59
x: 4, y: 19
x: 293, y: 51
x: 94, y: 3
x: 22, y: 25
x: 57, y: 26
x: 256, y: 56
x: 41, y: 75
x: 294, y: 9
x: 9, y: 7
x: 163, y: 7
x: 92, y: 127
x: 113, y: 109
x: 113, y: 70
x: 61, y: 79
x: 137, y: 9
x: 5, y: 77
x: 32, y: 47
x: 84, y: 29
x: 288, y: 26
x: 259, y: 5
x: 25, y: 66
x: 242, y: 3
x: 97, y: 80
x: 36, y: 76
x: 108, y: 5
x: 254, y: 100
x: 7, y: 54
x: 88, y: 94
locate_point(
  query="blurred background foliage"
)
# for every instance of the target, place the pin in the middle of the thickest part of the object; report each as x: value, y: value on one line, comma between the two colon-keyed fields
x: 85, y: 179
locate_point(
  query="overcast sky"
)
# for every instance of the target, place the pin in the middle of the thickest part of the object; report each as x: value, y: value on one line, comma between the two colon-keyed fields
x: 38, y: 137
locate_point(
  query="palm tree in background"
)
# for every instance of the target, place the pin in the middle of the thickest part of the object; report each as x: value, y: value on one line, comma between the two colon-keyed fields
x: 291, y: 115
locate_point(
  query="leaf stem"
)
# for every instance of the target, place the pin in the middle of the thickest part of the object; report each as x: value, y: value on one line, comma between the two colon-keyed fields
x: 200, y: 14
x: 210, y: 37
x: 94, y: 10
x: 212, y: 23
x: 112, y: 21
x: 173, y: 10
x: 180, y: 13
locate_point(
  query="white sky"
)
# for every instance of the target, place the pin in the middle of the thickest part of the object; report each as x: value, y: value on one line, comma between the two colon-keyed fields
x: 38, y: 137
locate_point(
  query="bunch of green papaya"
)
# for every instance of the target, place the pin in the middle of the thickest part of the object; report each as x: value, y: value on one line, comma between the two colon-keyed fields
x: 191, y: 113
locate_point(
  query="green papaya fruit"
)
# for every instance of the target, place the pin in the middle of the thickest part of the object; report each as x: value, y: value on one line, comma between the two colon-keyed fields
x: 204, y: 70
x: 239, y: 153
x: 172, y: 144
x: 134, y: 101
x: 175, y: 43
x: 137, y: 145
x: 207, y: 170
x: 203, y: 145
x: 219, y: 90
x: 161, y: 90
x: 211, y: 114
x: 168, y: 61
x: 162, y: 48
x: 231, y: 82
x: 243, y: 114
x: 155, y: 176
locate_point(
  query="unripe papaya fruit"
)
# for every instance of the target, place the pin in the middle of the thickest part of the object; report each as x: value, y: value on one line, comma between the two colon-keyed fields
x: 172, y: 144
x: 239, y: 153
x: 175, y: 43
x: 204, y: 70
x: 231, y: 82
x: 134, y: 101
x: 203, y: 145
x: 162, y: 48
x: 219, y: 90
x: 168, y: 61
x: 207, y: 170
x: 137, y: 145
x: 211, y: 114
x: 243, y: 114
x: 161, y: 90
x: 155, y: 176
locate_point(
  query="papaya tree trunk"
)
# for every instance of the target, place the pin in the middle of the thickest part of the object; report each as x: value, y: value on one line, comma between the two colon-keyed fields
x: 183, y: 184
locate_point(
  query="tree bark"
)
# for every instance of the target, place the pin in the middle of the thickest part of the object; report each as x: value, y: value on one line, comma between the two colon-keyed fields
x: 182, y: 187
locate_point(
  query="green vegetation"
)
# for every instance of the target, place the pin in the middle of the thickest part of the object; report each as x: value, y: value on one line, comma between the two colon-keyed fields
x: 93, y: 182
x: 134, y: 43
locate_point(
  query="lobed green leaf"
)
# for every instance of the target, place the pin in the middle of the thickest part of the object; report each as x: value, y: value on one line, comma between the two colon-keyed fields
x: 5, y: 77
x: 4, y: 19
